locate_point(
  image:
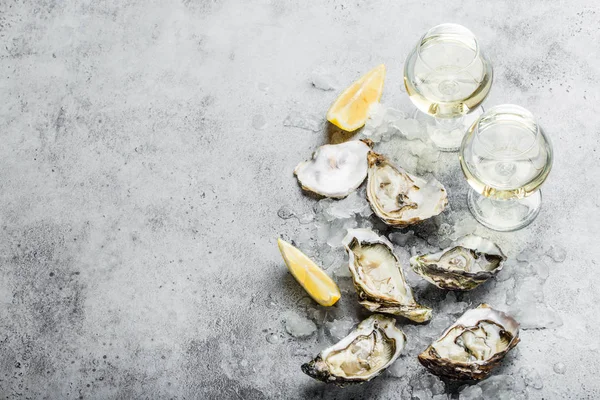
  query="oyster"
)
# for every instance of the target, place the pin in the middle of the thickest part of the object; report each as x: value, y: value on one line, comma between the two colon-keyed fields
x: 399, y: 198
x: 335, y: 169
x: 473, y: 345
x: 471, y: 261
x: 378, y: 276
x: 362, y: 355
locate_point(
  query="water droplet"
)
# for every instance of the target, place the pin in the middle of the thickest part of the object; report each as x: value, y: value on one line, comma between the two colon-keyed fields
x: 274, y: 338
x: 560, y: 368
x: 285, y: 212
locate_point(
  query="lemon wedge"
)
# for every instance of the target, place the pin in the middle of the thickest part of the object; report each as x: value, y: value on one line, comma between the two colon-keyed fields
x: 312, y: 278
x: 350, y: 110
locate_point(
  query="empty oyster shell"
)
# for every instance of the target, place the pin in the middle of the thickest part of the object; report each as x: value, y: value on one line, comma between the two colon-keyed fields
x: 399, y: 198
x: 473, y: 345
x: 378, y: 276
x: 362, y: 355
x: 335, y: 169
x: 471, y: 261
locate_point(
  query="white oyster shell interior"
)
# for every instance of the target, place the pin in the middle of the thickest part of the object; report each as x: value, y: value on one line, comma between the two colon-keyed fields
x: 477, y: 336
x: 378, y: 276
x: 366, y: 351
x: 335, y: 169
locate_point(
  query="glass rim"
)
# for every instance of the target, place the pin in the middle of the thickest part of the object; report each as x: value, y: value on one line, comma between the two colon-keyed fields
x: 460, y: 31
x: 507, y: 109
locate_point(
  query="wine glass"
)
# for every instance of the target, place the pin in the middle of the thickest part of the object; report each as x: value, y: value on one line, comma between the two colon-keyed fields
x: 505, y: 157
x: 447, y: 78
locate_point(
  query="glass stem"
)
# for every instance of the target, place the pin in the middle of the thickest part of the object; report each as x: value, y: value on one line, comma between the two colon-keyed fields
x: 504, y: 204
x: 449, y: 124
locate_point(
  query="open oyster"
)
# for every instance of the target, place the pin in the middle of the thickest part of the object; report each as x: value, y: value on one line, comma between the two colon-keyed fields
x: 378, y: 276
x: 335, y: 169
x: 471, y: 261
x: 473, y: 345
x: 362, y: 355
x: 399, y: 198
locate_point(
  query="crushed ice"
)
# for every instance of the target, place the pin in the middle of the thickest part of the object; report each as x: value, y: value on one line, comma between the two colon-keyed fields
x: 497, y: 387
x: 557, y: 254
x: 323, y: 79
x: 525, y: 293
x: 307, y: 122
x: 298, y: 326
x: 338, y: 329
x: 518, y: 289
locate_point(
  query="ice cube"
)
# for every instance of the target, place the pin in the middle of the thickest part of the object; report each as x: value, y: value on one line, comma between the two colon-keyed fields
x: 410, y: 128
x: 305, y: 218
x: 403, y: 367
x: 324, y: 80
x: 432, y: 240
x: 298, y: 326
x: 374, y: 121
x: 402, y: 239
x: 526, y: 296
x: 471, y: 393
x: 333, y: 257
x: 441, y: 321
x: 425, y: 381
x: 503, y: 387
x: 304, y: 121
x: 451, y: 305
x: 317, y: 313
x: 526, y: 256
x: 532, y: 378
x: 557, y: 253
x: 323, y: 230
x: 421, y: 394
x: 340, y: 328
x: 427, y: 160
x: 338, y: 230
x: 444, y: 230
x: 463, y: 227
x: 348, y: 207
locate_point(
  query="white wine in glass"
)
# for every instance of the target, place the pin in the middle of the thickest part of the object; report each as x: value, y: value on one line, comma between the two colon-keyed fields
x: 505, y: 157
x: 447, y: 77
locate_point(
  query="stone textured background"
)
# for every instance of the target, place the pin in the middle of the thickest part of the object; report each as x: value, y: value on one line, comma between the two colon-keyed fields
x: 138, y: 204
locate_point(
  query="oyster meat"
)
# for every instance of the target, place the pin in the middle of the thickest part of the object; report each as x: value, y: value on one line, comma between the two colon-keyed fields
x: 473, y: 345
x: 471, y: 261
x: 362, y: 355
x: 399, y: 198
x: 335, y: 169
x: 378, y: 276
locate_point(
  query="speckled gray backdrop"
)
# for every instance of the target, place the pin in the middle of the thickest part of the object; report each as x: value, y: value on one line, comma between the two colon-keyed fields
x: 138, y: 204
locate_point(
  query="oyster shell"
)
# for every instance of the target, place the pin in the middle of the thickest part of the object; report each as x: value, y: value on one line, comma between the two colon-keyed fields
x: 335, y: 169
x: 362, y: 355
x: 471, y: 261
x: 473, y: 345
x: 378, y: 276
x: 399, y: 198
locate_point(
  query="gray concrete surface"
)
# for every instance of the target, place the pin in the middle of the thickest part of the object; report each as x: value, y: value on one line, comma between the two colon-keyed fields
x: 138, y: 204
